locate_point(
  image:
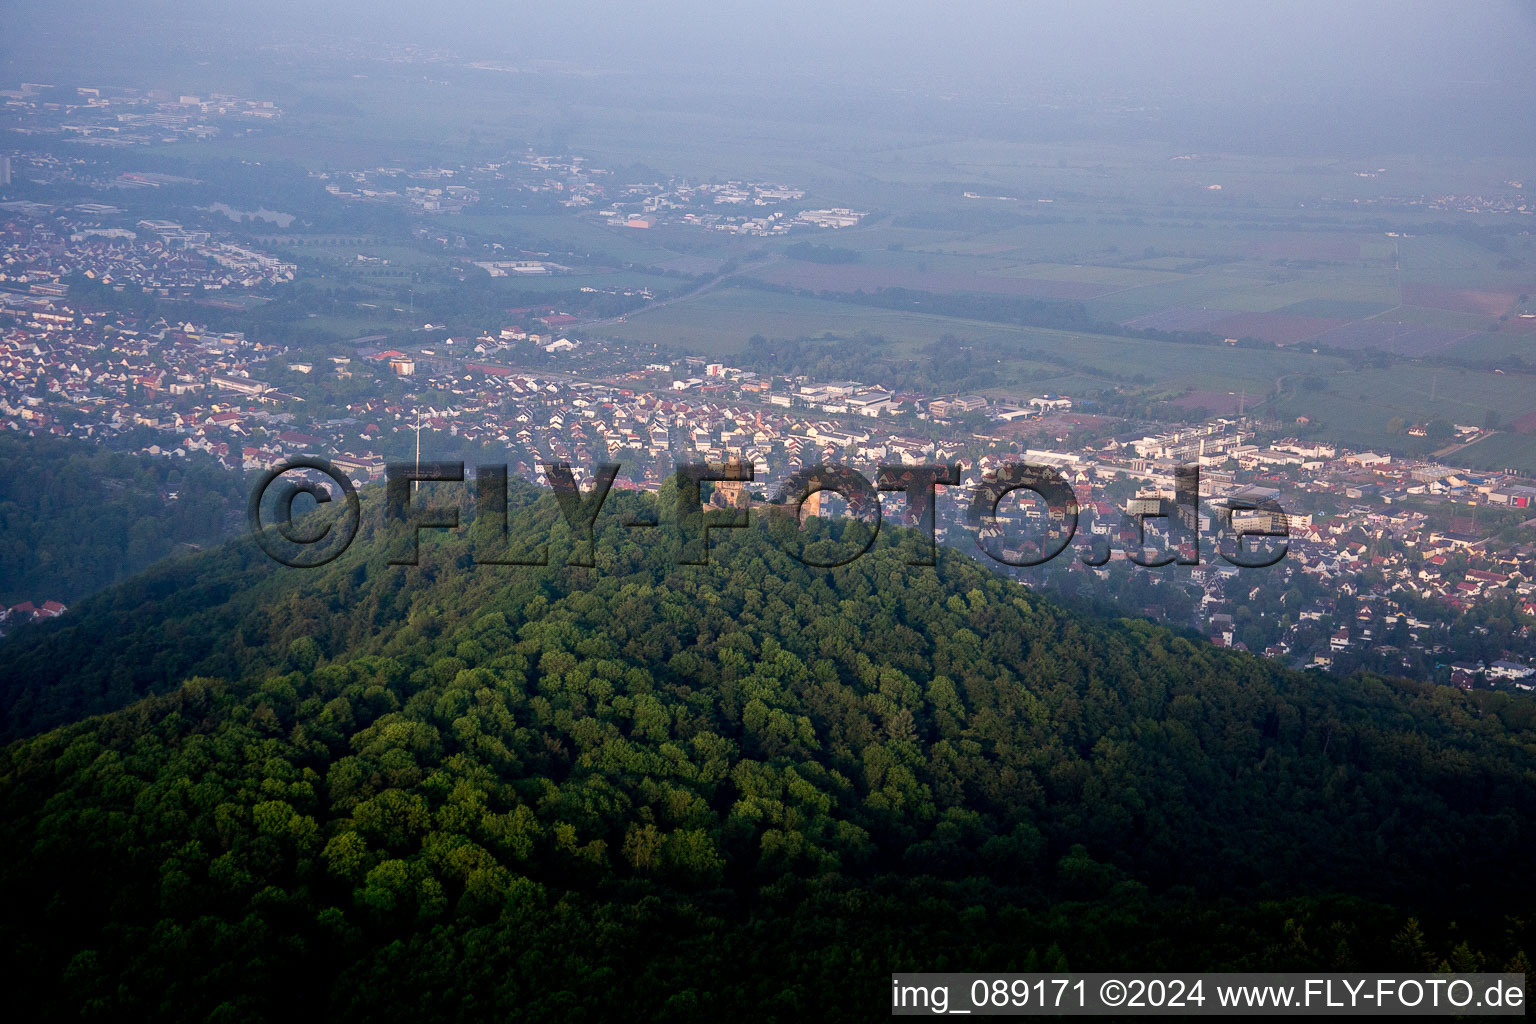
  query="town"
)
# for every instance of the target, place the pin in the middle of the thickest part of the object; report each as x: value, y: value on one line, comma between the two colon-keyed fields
x: 1384, y: 555
x: 134, y: 319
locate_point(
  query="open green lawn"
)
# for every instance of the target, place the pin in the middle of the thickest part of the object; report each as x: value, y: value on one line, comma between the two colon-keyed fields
x: 365, y: 322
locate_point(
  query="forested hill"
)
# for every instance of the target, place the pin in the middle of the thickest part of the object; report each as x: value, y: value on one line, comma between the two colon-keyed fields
x: 75, y: 517
x: 742, y: 791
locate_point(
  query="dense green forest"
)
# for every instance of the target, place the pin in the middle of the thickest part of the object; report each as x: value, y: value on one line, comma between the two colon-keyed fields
x: 75, y: 517
x: 747, y: 790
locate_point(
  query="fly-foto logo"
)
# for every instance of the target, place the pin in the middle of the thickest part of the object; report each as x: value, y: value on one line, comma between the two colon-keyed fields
x: 1249, y: 534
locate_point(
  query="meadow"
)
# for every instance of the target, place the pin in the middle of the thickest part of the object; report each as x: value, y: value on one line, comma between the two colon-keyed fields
x: 1504, y: 450
x: 718, y: 324
x: 1356, y: 407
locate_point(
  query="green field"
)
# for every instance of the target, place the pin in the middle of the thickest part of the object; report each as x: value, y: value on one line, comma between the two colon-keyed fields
x: 562, y: 233
x: 1117, y: 277
x: 1451, y: 261
x: 1504, y: 450
x: 1252, y: 288
x: 1357, y: 406
x: 1422, y: 316
x: 365, y: 322
x: 1341, y: 309
x: 570, y: 282
x: 1495, y: 346
x: 718, y: 323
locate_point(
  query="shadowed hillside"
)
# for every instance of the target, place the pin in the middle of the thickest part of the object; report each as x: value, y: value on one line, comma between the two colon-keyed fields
x: 469, y: 791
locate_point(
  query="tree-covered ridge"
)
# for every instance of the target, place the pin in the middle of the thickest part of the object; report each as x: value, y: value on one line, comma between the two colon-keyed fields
x: 74, y: 519
x: 230, y: 612
x: 744, y: 790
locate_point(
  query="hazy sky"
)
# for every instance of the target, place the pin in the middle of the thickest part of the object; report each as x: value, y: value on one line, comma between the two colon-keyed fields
x: 1462, y: 65
x: 1209, y: 44
x: 1212, y: 46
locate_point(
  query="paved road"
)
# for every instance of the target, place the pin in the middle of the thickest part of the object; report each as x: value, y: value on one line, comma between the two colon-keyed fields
x: 691, y: 294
